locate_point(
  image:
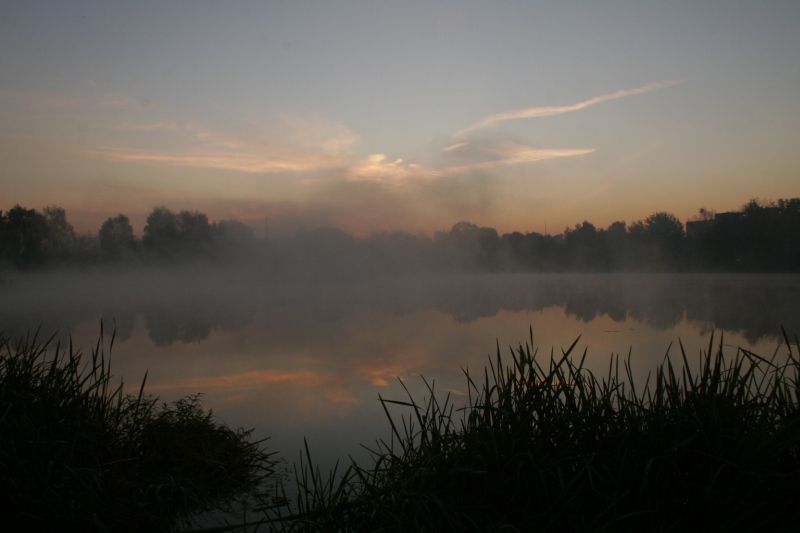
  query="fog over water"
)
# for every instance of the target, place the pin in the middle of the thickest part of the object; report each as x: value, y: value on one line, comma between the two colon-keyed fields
x: 309, y: 356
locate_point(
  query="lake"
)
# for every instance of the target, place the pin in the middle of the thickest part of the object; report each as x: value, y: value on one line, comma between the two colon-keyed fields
x: 308, y: 358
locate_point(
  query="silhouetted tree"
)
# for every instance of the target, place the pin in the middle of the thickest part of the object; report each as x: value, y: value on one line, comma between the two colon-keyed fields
x: 194, y: 233
x: 59, y: 234
x: 116, y: 238
x: 23, y: 233
x: 584, y: 247
x: 467, y: 247
x: 161, y: 231
x: 661, y: 234
x: 761, y: 236
x: 664, y: 227
x: 616, y: 244
x: 517, y: 253
x: 185, y: 235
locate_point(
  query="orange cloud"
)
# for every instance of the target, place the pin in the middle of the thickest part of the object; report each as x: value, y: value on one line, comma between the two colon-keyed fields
x: 377, y: 167
x: 380, y: 377
x: 239, y: 161
x: 305, y: 146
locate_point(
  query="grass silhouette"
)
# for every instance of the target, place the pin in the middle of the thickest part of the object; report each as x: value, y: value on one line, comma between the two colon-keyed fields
x: 77, y: 453
x: 544, y: 444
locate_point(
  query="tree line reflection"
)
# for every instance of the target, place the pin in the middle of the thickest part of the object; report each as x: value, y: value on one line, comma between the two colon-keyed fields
x: 190, y: 311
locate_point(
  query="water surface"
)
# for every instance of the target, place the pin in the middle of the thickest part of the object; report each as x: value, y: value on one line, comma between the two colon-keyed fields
x: 310, y: 357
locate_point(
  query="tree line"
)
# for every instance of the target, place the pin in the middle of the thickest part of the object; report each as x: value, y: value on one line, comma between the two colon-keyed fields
x: 29, y: 238
x: 761, y: 236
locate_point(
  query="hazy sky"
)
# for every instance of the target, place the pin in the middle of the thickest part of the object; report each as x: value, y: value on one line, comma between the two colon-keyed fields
x: 404, y: 115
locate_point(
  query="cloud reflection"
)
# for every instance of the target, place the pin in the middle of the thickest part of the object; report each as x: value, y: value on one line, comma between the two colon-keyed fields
x: 251, y: 378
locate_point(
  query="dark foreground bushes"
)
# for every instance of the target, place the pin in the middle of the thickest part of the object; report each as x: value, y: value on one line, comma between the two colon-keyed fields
x: 546, y: 445
x: 78, y: 454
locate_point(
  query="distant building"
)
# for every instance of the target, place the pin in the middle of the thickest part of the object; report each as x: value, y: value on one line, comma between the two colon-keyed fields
x: 698, y: 228
x: 730, y: 216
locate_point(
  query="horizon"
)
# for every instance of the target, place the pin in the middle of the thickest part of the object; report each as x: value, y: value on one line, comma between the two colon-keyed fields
x: 403, y: 117
x: 259, y: 226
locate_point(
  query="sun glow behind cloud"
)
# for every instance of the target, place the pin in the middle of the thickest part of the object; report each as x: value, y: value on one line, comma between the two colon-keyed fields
x: 314, y: 165
x: 379, y: 168
x: 330, y: 148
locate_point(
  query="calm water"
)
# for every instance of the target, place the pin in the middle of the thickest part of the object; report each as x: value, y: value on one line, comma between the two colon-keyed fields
x: 309, y: 359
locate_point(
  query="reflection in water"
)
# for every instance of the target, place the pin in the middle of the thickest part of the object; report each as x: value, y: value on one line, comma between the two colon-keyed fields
x: 175, y: 309
x: 309, y: 359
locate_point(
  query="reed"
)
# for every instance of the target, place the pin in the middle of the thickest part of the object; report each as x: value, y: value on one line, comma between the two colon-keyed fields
x: 545, y: 444
x: 542, y: 443
x: 78, y: 453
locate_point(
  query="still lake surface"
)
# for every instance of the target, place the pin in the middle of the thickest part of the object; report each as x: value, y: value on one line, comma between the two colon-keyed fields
x: 308, y: 358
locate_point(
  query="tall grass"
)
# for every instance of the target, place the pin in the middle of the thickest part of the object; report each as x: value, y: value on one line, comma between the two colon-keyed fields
x: 545, y: 444
x: 542, y: 444
x: 78, y: 453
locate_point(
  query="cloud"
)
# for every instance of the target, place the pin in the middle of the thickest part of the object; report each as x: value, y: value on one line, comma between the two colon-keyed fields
x: 549, y: 111
x: 515, y: 154
x: 305, y: 146
x: 320, y: 150
x: 454, y: 146
x: 377, y: 167
x: 381, y: 376
x: 241, y: 162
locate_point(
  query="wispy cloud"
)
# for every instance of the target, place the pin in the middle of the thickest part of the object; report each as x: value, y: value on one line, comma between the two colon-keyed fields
x: 515, y: 154
x: 319, y: 150
x: 549, y: 111
x: 454, y: 146
x: 377, y: 168
x: 241, y: 162
x: 188, y: 144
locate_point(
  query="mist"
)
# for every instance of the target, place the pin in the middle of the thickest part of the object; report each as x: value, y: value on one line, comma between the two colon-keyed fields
x: 188, y: 303
x: 761, y: 237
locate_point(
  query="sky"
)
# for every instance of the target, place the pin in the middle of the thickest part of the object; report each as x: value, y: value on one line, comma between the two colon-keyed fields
x: 375, y: 116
